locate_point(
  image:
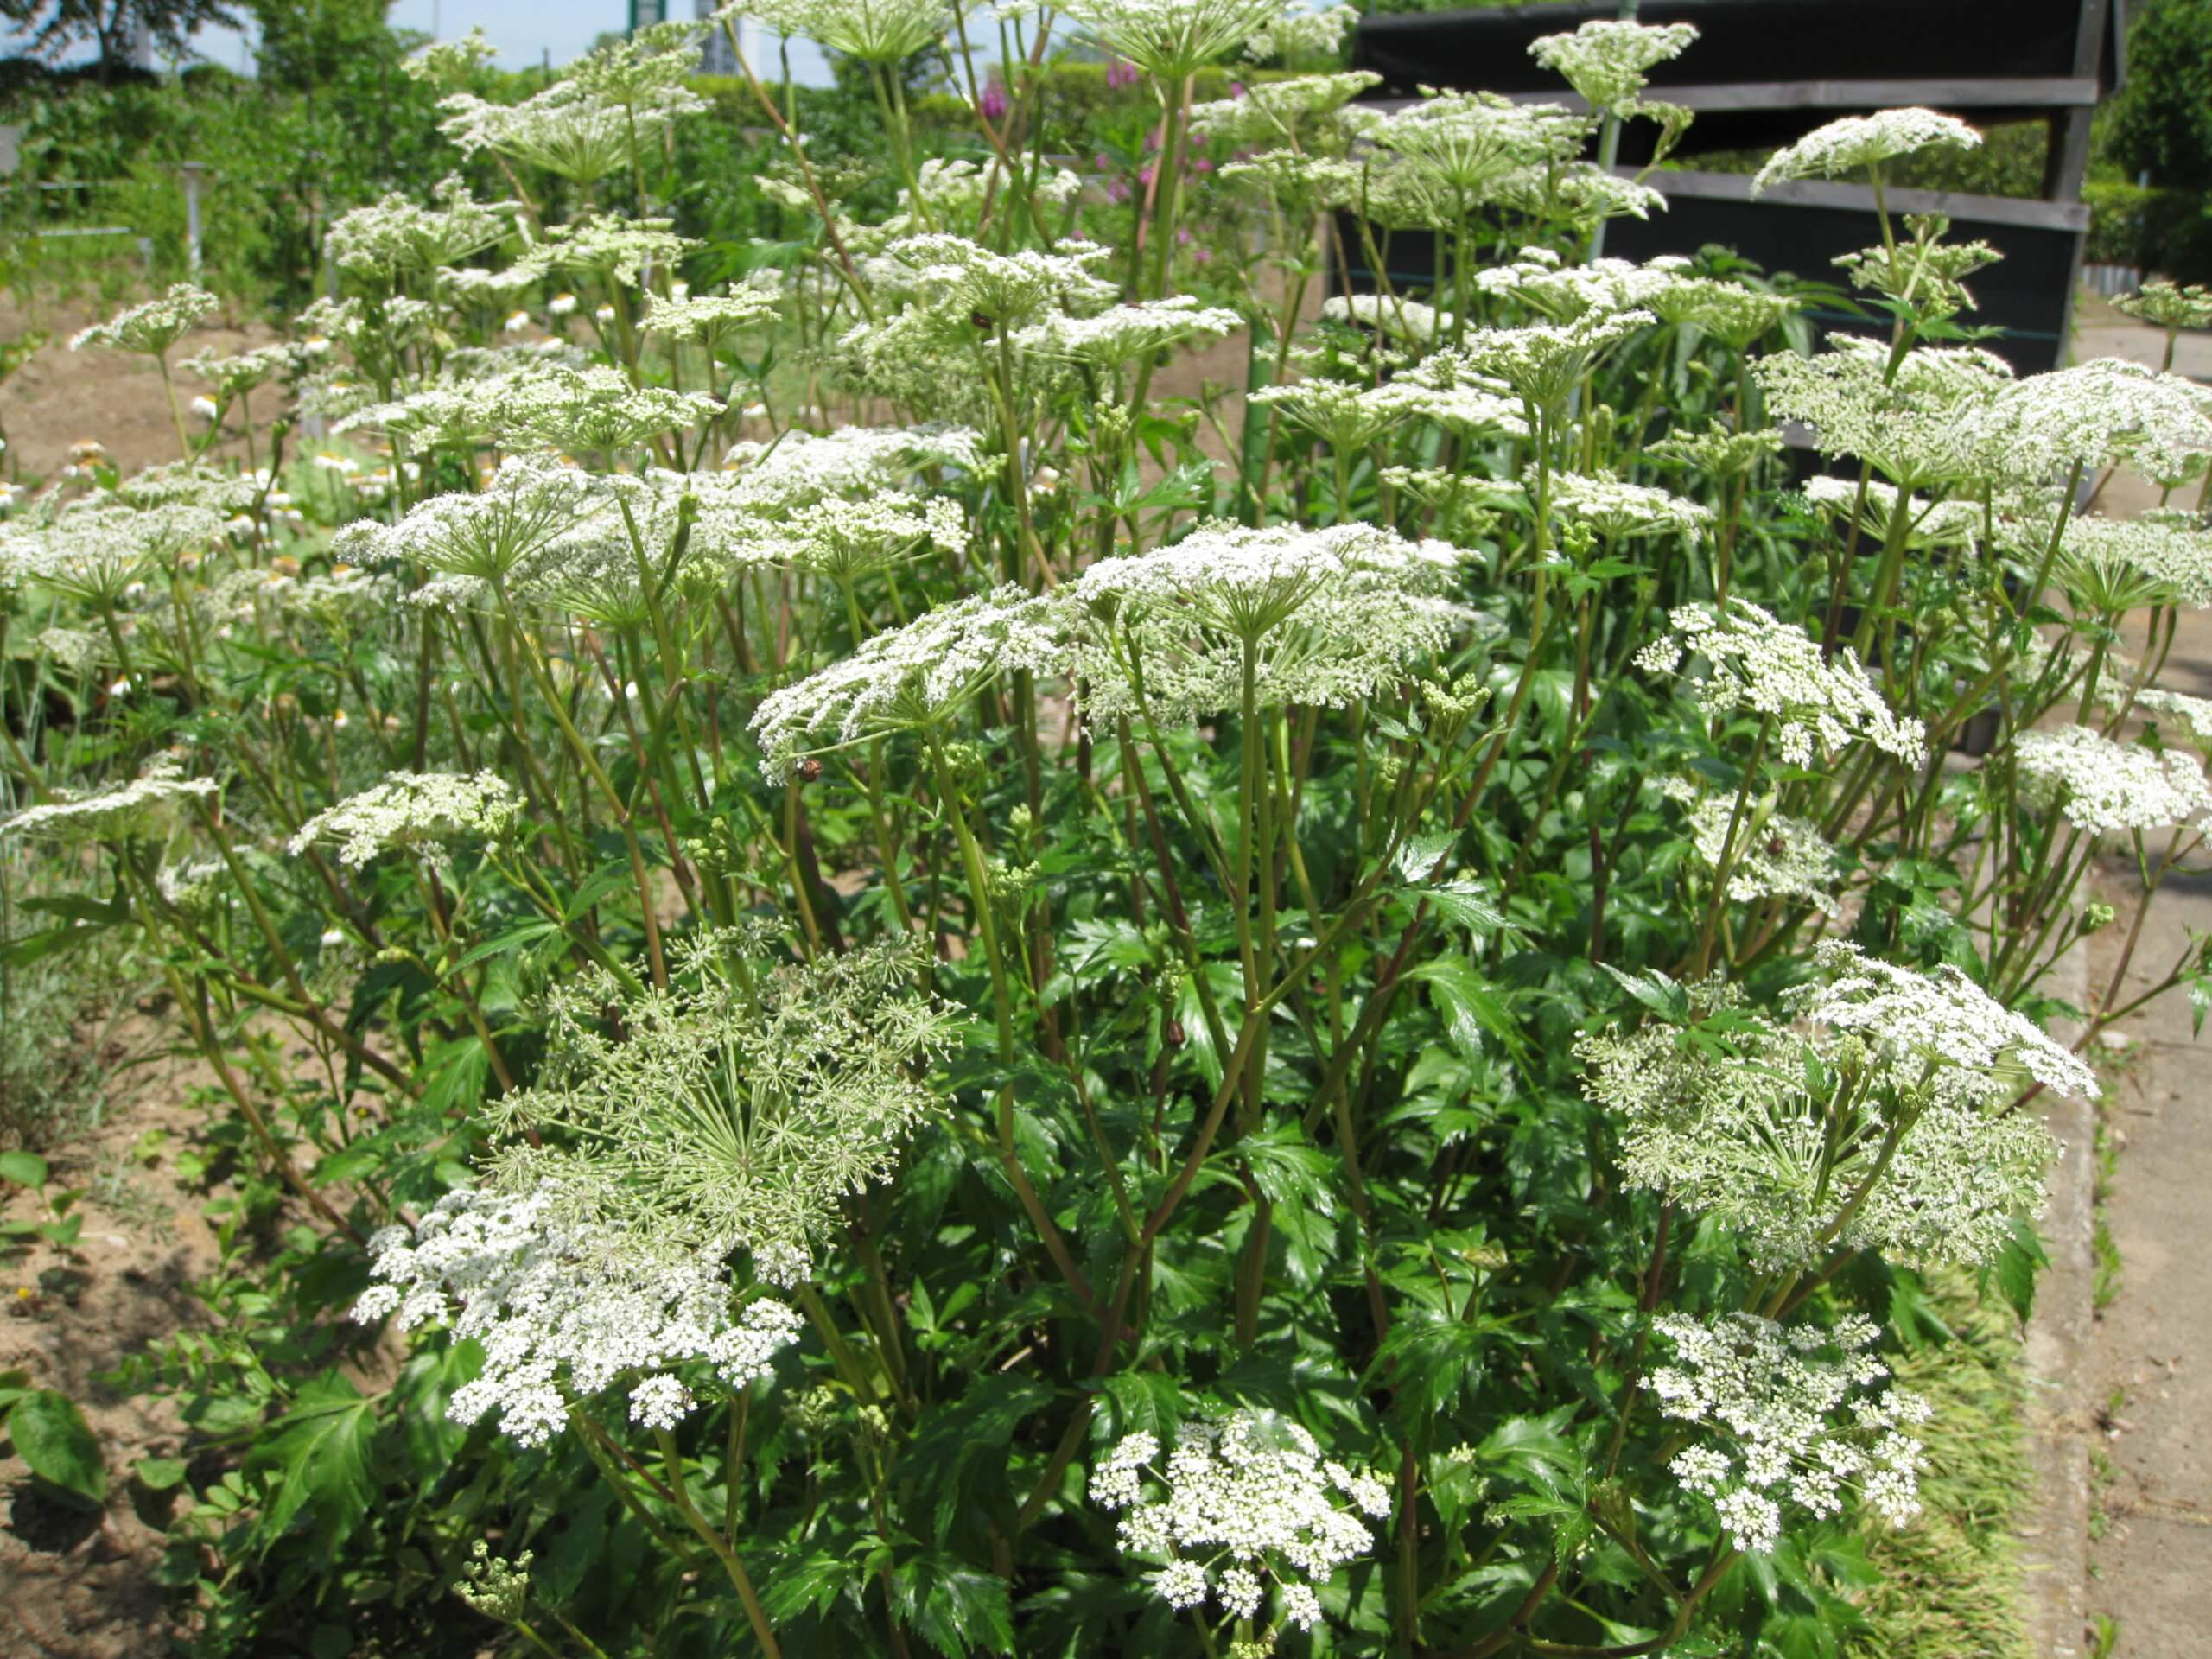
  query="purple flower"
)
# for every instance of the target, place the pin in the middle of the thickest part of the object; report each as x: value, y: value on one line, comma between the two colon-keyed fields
x: 1121, y: 73
x: 1202, y: 165
x: 1104, y: 163
x: 1236, y: 89
x: 992, y: 105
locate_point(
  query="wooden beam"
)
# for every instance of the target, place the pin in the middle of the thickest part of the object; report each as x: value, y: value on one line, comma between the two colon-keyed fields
x: 2068, y: 162
x: 1957, y: 92
x: 1965, y: 210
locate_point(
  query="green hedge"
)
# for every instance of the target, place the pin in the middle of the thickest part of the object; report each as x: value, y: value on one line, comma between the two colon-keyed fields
x: 2154, y: 229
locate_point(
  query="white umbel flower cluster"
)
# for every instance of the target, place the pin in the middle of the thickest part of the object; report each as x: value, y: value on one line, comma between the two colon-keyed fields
x: 841, y: 538
x: 1325, y: 616
x: 413, y: 810
x: 1606, y: 62
x: 1389, y: 314
x: 1540, y: 362
x: 881, y: 31
x: 799, y: 466
x: 905, y: 679
x: 1271, y: 112
x: 1247, y: 1501
x: 1758, y: 664
x: 2179, y: 711
x: 1616, y: 510
x: 152, y: 326
x: 1128, y: 333
x: 566, y: 1308
x: 2097, y: 414
x: 1794, y: 1172
x: 1928, y: 524
x: 1776, y: 856
x: 1168, y: 38
x: 2107, y: 788
x: 1863, y: 140
x: 1962, y: 1041
x: 485, y: 534
x: 128, y: 811
x: 1803, y: 1419
x: 1912, y: 422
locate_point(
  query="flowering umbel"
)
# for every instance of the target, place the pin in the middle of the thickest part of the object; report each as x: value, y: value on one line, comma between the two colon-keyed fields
x: 1239, y: 1505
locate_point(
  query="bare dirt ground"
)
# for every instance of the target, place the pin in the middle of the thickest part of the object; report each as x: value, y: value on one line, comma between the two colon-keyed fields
x: 75, y: 1584
x: 78, y: 1585
x: 61, y: 397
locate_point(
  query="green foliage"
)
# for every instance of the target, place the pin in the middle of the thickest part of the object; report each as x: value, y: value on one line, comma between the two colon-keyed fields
x: 1953, y: 1586
x: 2150, y: 227
x: 2161, y: 121
x: 1217, y: 1057
x: 56, y: 1444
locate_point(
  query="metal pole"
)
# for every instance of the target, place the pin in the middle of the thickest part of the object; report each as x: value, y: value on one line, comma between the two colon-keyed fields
x: 192, y: 172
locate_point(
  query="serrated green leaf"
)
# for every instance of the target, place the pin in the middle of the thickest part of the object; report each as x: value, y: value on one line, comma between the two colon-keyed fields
x: 315, y: 1461
x: 962, y: 1443
x: 1655, y: 991
x: 1149, y: 1402
x: 2017, y: 1267
x: 1289, y: 1168
x: 956, y: 1608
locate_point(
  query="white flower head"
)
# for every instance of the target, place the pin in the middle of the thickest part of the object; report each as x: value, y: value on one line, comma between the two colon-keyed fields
x: 2108, y: 788
x: 151, y: 326
x: 413, y: 810
x: 1758, y: 664
x: 1958, y: 1036
x: 565, y: 1309
x: 1322, y: 616
x: 1606, y: 62
x: 1914, y: 422
x: 905, y: 679
x: 2093, y: 415
x: 1250, y: 1496
x: 1616, y: 510
x: 1776, y: 856
x: 1797, y: 1413
x: 1865, y: 140
x: 1169, y: 39
x: 875, y: 31
x: 1792, y: 1169
x: 483, y: 534
x: 145, y: 807
x: 1542, y: 363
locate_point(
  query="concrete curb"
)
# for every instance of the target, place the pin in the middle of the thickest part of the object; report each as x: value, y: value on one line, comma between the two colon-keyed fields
x: 2054, y: 1536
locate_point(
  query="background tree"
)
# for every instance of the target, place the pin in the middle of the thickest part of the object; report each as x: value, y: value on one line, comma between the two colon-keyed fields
x: 2161, y: 121
x: 114, y: 28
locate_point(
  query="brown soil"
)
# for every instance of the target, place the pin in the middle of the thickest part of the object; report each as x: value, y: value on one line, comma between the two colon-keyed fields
x: 62, y: 396
x: 81, y: 1585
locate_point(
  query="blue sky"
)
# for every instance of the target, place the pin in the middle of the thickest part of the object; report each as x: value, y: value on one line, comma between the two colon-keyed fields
x: 524, y: 30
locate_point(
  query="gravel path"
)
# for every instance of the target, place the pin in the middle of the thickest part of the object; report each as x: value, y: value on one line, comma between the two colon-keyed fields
x: 2149, y: 1364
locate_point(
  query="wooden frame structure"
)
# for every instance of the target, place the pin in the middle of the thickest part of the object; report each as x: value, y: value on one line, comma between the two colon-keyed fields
x: 2041, y: 60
